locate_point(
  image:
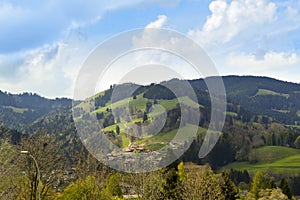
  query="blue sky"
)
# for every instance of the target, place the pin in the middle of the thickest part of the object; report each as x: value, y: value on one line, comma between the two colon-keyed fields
x: 44, y: 43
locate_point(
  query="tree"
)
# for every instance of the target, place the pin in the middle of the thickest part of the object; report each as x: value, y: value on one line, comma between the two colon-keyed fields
x: 228, y: 188
x: 145, y: 117
x: 113, y: 185
x: 117, y: 129
x: 257, y: 184
x: 11, y: 181
x: 297, y: 142
x: 181, y: 172
x: 148, y: 106
x: 201, y: 183
x: 261, y: 182
x: 85, y: 189
x: 170, y: 186
x: 45, y: 149
x: 285, y: 188
x: 272, y: 194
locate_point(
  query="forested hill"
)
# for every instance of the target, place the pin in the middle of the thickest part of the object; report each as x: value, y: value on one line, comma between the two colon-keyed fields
x: 19, y: 110
x: 249, y: 97
x: 277, y: 99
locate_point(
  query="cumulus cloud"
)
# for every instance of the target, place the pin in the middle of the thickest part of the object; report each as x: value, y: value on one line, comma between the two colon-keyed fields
x: 280, y: 65
x: 49, y: 70
x: 252, y: 37
x: 161, y: 20
x: 43, y: 44
x: 228, y: 19
x: 271, y: 60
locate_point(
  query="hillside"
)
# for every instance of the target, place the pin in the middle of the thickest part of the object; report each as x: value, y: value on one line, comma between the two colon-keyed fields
x: 270, y: 158
x: 20, y: 110
x: 247, y: 126
x: 146, y: 108
x: 277, y: 99
x: 248, y: 98
x: 261, y: 124
x: 244, y: 129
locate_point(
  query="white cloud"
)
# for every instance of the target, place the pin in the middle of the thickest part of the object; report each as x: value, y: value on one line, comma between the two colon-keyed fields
x: 252, y: 37
x: 270, y: 61
x: 227, y: 20
x: 49, y: 70
x: 161, y: 20
x: 280, y: 65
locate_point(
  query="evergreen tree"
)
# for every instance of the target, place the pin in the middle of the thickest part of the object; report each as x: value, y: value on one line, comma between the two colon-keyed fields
x: 257, y: 184
x: 117, y: 129
x: 228, y: 188
x: 113, y: 185
x: 170, y: 189
x: 145, y: 117
x: 285, y: 188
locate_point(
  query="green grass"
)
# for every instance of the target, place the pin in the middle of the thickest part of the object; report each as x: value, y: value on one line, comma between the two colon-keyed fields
x: 298, y: 113
x: 270, y: 92
x: 274, y: 158
x: 281, y: 111
x: 139, y: 103
x: 233, y: 114
x: 171, y: 104
x: 125, y: 140
x: 17, y: 110
x: 270, y: 154
x: 168, y: 104
x: 162, y: 139
x: 157, y: 110
x: 155, y: 146
x: 102, y: 109
x: 189, y: 102
x: 110, y: 128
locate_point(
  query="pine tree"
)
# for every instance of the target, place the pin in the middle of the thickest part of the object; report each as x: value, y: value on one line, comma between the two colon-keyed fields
x: 285, y: 188
x: 145, y: 117
x: 113, y: 185
x: 228, y: 188
x: 170, y: 189
x: 117, y: 129
x: 257, y: 184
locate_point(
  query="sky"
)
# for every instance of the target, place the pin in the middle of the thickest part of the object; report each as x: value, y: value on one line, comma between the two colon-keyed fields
x: 43, y: 44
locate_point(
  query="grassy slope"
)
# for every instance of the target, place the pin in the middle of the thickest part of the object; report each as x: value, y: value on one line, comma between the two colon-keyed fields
x: 270, y: 92
x: 159, y: 140
x: 233, y: 114
x: 140, y: 103
x: 17, y: 110
x: 275, y: 158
